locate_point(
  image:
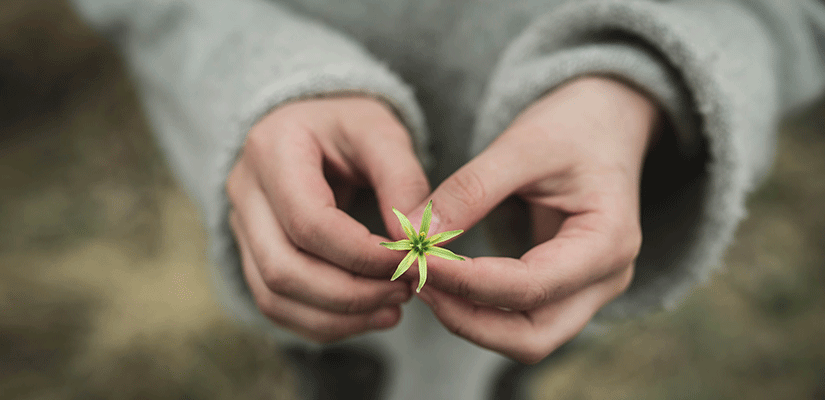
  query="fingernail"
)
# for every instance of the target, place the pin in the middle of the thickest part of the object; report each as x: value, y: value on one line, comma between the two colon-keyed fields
x: 415, y: 218
x: 383, y: 319
x: 434, y: 223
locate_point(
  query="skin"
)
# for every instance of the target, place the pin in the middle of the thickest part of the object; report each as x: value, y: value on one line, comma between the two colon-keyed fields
x: 575, y: 156
x: 312, y: 268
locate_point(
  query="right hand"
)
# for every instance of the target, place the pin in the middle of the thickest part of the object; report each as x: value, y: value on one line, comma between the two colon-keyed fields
x: 312, y: 268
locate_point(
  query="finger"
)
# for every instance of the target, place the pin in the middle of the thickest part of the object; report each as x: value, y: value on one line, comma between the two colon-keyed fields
x: 388, y: 160
x: 310, y: 322
x: 577, y: 256
x: 469, y: 194
x: 525, y: 336
x: 289, y: 166
x: 295, y: 274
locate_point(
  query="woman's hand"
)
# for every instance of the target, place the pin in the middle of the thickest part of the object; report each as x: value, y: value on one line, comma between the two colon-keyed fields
x: 312, y: 268
x: 575, y: 156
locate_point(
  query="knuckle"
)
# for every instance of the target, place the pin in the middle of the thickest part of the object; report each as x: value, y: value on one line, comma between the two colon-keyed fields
x: 257, y: 139
x: 630, y: 243
x: 378, y: 124
x: 231, y: 186
x: 277, y: 281
x: 626, y: 279
x: 263, y: 305
x: 635, y: 242
x: 625, y: 241
x: 301, y: 229
x: 535, y: 294
x: 467, y: 188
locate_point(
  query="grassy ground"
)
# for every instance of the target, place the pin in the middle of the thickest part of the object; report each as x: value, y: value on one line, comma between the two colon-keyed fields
x: 104, y: 291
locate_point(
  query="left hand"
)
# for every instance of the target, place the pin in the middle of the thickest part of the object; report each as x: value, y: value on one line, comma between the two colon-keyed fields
x: 575, y: 156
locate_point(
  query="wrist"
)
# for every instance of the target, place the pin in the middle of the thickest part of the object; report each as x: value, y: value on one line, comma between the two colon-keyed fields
x: 632, y: 109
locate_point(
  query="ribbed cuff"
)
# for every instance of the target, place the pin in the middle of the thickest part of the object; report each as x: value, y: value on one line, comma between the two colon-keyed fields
x: 712, y: 69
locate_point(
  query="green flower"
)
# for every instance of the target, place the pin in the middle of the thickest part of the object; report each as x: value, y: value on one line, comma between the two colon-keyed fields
x: 420, y: 245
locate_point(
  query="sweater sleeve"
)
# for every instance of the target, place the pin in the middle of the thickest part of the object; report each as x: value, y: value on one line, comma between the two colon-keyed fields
x: 724, y: 72
x: 207, y: 70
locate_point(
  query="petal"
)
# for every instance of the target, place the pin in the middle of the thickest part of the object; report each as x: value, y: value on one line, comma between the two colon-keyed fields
x: 404, y: 266
x: 398, y: 245
x: 444, y: 253
x: 425, y: 219
x: 422, y: 271
x: 443, y: 236
x: 405, y: 224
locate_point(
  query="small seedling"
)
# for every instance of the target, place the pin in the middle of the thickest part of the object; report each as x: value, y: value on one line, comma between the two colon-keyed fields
x: 420, y: 245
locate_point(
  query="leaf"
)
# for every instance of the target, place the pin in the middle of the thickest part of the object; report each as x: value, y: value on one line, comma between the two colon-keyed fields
x: 405, y: 224
x: 404, y: 265
x: 422, y: 271
x: 444, y: 253
x: 425, y: 219
x: 443, y: 236
x: 398, y: 245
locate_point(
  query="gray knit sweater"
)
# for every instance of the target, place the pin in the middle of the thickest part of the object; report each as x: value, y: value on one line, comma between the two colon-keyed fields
x: 458, y: 72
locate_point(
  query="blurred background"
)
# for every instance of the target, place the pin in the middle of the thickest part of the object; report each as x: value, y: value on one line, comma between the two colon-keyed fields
x: 104, y: 287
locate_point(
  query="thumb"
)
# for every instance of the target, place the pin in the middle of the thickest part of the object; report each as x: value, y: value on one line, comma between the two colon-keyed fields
x: 467, y: 195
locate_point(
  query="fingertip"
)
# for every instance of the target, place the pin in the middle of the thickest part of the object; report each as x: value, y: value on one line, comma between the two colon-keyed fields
x: 418, y: 213
x: 398, y: 297
x: 398, y: 179
x: 385, y: 318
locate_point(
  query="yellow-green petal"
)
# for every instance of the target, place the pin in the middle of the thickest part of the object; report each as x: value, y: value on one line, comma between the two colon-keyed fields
x: 405, y: 224
x: 404, y: 266
x: 422, y: 271
x: 443, y: 236
x: 398, y: 245
x: 425, y: 219
x: 444, y: 253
